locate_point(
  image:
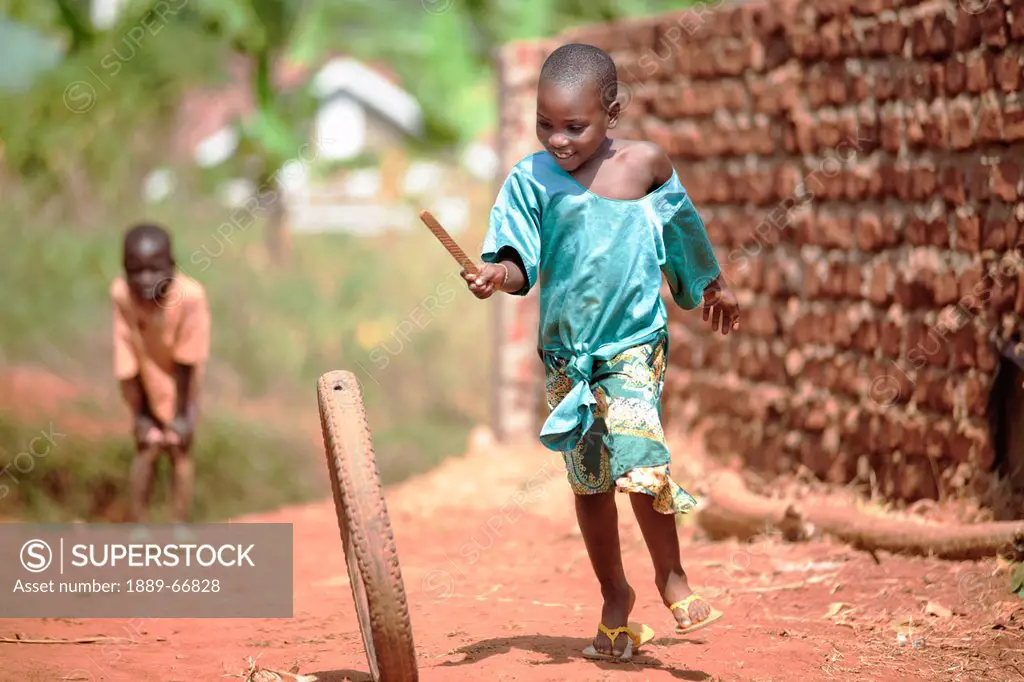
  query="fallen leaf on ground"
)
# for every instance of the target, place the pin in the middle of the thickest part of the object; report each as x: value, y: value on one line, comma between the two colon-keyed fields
x: 935, y: 609
x: 834, y: 609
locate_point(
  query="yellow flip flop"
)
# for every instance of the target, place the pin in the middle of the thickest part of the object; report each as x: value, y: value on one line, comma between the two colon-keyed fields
x: 637, y: 634
x: 685, y: 604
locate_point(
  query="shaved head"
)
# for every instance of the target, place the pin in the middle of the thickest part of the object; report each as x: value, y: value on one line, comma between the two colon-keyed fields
x: 577, y: 65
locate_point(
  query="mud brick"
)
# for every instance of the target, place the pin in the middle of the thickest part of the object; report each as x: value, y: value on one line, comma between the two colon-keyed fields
x: 987, y: 358
x: 915, y: 131
x: 773, y: 281
x: 803, y: 130
x: 861, y: 182
x: 817, y: 89
x: 941, y: 38
x: 1013, y: 122
x: 870, y: 232
x: 961, y: 124
x: 805, y: 43
x: 944, y: 288
x: 903, y: 180
x: 917, y: 231
x: 885, y: 82
x: 939, y: 231
x: 970, y: 283
x: 963, y: 344
x: 968, y: 32
x: 831, y: 39
x: 879, y: 288
x: 891, y: 122
x: 935, y: 122
x: 787, y: 179
x: 833, y: 231
x: 923, y: 182
x: 993, y: 25
x: 976, y: 300
x: 937, y: 391
x: 952, y: 182
x: 868, y: 131
x: 979, y: 183
x: 914, y: 480
x: 1004, y: 296
x: 915, y: 81
x: 979, y: 72
x: 843, y: 329
x: 990, y: 120
x: 914, y: 434
x: 994, y: 233
x: 937, y: 73
x: 871, y: 41
x: 938, y: 437
x: 920, y: 30
x: 850, y: 380
x: 1008, y: 71
x: 1017, y: 21
x: 804, y: 227
x: 867, y: 336
x: 892, y: 339
x: 1004, y: 179
x: 927, y: 345
x: 912, y: 293
x: 968, y: 233
x: 890, y: 433
x: 956, y: 76
x: 892, y: 35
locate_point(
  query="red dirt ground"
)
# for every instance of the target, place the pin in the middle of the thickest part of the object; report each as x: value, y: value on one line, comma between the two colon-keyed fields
x: 500, y: 588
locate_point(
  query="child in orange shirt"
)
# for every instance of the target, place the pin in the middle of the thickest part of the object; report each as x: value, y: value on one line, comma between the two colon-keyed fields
x: 161, y: 344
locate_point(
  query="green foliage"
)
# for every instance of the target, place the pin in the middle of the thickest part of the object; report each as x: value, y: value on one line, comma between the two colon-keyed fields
x: 1017, y: 581
x: 240, y: 468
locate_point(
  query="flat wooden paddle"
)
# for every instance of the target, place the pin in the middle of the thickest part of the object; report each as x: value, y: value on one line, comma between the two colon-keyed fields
x: 447, y: 242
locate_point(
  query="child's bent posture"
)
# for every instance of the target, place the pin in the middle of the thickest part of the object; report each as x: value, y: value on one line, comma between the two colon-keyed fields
x: 161, y: 343
x: 596, y: 223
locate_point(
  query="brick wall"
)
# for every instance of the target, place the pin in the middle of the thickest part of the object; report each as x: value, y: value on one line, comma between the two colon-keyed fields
x: 858, y: 165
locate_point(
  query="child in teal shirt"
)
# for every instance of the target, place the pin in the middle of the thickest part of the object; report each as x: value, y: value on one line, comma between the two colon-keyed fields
x: 596, y: 222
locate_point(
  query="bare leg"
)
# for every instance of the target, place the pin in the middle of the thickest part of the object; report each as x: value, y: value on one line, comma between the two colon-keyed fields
x: 141, y: 481
x: 659, y: 531
x: 598, y: 519
x: 182, y: 482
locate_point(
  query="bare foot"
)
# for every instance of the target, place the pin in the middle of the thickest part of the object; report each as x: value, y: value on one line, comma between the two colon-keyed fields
x: 615, y: 614
x: 677, y: 589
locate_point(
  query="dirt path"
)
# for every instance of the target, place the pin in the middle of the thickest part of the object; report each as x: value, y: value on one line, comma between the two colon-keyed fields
x: 500, y: 589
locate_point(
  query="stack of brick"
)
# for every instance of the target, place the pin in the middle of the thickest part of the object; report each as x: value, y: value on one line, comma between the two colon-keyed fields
x: 858, y: 164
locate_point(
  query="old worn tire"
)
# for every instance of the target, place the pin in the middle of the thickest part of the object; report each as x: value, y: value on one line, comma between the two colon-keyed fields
x: 366, y: 531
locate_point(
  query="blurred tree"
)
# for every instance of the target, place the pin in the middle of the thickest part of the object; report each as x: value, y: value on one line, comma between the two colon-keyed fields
x: 268, y: 31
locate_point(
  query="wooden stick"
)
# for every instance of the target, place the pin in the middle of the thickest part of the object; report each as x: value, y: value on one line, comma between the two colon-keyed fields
x: 447, y: 242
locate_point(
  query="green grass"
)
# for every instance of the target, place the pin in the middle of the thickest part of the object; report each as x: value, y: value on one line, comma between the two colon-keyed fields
x: 391, y: 309
x: 240, y: 468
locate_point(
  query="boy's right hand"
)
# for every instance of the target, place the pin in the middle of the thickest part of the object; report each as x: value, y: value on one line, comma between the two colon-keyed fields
x: 490, y: 279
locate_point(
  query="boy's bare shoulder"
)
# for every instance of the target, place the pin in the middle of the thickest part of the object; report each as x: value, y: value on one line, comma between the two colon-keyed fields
x: 649, y: 157
x: 191, y: 288
x: 119, y: 291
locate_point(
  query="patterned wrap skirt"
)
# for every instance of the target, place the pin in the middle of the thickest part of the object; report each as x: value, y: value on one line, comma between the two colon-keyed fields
x: 625, y: 450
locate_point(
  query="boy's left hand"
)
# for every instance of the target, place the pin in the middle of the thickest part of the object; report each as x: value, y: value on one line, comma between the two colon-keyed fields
x: 719, y: 297
x: 179, y: 431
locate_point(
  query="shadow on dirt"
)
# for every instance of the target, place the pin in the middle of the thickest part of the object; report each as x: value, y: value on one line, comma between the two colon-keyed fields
x: 561, y: 650
x: 341, y: 676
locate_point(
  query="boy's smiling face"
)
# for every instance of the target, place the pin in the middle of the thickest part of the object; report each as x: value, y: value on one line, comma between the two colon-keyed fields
x: 572, y: 122
x: 149, y: 268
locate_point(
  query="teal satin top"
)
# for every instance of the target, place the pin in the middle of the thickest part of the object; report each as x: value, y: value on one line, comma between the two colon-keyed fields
x: 599, y: 264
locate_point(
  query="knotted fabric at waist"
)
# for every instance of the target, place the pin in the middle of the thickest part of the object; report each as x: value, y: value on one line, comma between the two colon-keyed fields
x: 573, y: 417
